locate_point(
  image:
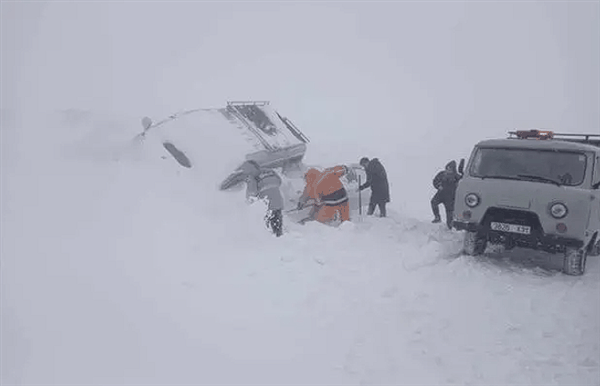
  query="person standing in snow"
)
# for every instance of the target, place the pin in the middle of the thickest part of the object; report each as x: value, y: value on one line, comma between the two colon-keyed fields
x: 265, y: 184
x: 378, y: 182
x: 446, y: 183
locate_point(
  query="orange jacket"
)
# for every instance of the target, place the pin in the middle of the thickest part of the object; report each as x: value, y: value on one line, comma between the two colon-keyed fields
x: 319, y: 184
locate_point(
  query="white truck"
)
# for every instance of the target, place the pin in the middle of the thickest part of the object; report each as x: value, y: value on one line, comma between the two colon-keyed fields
x: 535, y: 189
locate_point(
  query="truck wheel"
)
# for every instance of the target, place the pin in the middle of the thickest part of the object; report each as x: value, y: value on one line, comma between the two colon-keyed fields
x: 574, y: 261
x: 595, y: 250
x: 474, y: 244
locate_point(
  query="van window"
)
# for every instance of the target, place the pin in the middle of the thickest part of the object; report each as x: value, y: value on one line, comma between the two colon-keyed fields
x: 560, y: 167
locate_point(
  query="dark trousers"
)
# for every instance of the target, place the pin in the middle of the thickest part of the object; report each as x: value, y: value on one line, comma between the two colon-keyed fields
x: 372, y: 205
x: 274, y: 220
x: 447, y: 200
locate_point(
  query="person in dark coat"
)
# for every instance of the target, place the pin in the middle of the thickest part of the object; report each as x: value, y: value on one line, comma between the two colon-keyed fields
x: 378, y: 182
x: 446, y: 183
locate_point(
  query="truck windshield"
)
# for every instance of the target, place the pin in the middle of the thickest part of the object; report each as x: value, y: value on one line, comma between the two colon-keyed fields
x: 544, y: 166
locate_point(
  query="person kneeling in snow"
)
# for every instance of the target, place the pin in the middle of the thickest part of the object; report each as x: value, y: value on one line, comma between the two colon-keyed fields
x: 325, y: 191
x: 264, y: 184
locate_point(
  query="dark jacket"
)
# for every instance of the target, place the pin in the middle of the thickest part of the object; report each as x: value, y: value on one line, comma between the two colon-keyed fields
x: 377, y: 180
x: 446, y: 181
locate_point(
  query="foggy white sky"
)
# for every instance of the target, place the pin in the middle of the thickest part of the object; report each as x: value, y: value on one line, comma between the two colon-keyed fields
x: 427, y: 70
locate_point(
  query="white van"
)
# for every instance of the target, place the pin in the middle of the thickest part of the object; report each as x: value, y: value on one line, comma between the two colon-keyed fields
x: 535, y: 189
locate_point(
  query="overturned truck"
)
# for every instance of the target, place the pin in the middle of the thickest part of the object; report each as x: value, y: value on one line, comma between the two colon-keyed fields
x: 271, y: 139
x: 246, y: 130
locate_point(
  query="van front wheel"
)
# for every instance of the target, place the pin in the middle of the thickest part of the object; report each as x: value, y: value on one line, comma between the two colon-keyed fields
x: 474, y: 244
x: 574, y: 261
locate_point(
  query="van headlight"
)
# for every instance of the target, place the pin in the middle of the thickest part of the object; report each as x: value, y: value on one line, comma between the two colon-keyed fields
x: 472, y: 200
x: 558, y: 210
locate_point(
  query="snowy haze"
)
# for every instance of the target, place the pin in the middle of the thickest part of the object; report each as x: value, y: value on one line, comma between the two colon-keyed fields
x: 120, y: 267
x: 431, y: 78
x: 431, y: 68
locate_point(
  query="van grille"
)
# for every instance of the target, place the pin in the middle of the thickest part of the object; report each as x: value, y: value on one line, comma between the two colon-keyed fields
x: 512, y: 216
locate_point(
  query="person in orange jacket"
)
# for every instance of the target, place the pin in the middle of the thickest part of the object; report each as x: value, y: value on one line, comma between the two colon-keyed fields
x: 325, y: 191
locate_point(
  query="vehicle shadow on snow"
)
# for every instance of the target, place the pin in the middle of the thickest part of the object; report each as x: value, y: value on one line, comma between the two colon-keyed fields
x: 447, y: 245
x: 529, y: 261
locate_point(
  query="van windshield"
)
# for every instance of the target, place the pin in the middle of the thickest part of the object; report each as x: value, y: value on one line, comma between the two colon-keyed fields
x: 546, y: 166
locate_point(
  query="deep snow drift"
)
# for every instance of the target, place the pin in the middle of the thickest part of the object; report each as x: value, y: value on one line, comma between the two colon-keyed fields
x: 121, y: 267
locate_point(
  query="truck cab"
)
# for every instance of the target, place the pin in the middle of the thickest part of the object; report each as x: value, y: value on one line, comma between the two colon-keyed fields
x: 535, y: 189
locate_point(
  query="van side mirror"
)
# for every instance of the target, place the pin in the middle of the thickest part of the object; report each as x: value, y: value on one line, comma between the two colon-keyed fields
x: 461, y: 166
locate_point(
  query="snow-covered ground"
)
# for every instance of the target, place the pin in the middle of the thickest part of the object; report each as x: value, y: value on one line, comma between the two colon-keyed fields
x: 121, y: 267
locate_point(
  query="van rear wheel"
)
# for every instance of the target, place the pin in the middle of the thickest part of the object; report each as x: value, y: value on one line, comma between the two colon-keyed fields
x: 574, y: 261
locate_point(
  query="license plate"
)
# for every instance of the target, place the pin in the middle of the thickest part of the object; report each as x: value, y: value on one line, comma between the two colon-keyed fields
x: 512, y: 228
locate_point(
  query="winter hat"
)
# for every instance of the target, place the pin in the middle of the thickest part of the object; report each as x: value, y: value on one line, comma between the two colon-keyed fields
x: 451, y: 165
x: 363, y: 161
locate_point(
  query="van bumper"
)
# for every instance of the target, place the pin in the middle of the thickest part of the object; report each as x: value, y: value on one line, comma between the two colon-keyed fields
x: 546, y: 242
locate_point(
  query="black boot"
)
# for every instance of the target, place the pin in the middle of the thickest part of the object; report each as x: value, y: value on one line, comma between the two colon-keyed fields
x: 450, y: 215
x: 277, y: 222
x: 435, y: 202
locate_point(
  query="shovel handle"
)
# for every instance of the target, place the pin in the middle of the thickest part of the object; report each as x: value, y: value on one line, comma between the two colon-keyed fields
x: 359, y: 198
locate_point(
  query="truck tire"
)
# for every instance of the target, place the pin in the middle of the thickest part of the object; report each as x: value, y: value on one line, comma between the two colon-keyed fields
x: 595, y: 249
x: 474, y: 244
x: 574, y: 261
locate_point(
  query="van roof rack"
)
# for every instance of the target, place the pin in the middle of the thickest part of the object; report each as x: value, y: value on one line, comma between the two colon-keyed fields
x: 534, y: 134
x: 590, y: 139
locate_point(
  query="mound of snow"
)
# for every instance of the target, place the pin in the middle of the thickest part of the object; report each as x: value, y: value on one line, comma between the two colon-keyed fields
x: 121, y: 266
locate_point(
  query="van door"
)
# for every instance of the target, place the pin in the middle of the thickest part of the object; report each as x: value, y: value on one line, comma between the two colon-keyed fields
x: 595, y: 225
